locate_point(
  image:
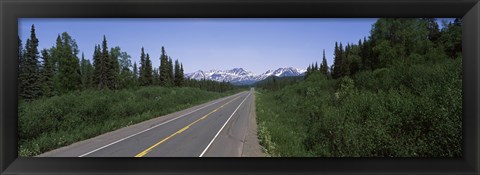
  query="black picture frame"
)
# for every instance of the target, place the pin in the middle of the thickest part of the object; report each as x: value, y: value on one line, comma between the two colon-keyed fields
x: 11, y: 10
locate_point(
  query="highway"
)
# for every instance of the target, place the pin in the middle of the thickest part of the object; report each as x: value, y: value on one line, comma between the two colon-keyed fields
x: 214, y: 129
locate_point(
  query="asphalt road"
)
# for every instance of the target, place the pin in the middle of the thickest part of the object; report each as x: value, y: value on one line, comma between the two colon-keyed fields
x: 214, y: 129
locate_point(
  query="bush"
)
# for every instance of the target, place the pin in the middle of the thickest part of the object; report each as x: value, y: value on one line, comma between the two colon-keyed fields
x: 406, y: 110
x: 50, y: 123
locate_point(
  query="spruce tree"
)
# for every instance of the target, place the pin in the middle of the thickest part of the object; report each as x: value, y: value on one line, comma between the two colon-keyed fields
x: 87, y: 72
x: 170, y: 71
x: 20, y: 53
x: 142, y: 79
x: 337, y: 62
x: 47, y: 74
x: 98, y: 68
x: 182, y: 75
x: 20, y: 58
x: 108, y: 66
x: 324, y: 65
x: 135, y: 72
x: 177, y: 73
x: 148, y: 71
x: 345, y: 70
x: 367, y: 60
x: 163, y: 68
x: 156, y: 76
x: 30, y: 80
x: 83, y: 71
x: 309, y: 71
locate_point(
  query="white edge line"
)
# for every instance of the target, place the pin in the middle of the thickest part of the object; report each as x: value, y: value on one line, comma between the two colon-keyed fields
x: 208, y: 146
x: 95, y: 150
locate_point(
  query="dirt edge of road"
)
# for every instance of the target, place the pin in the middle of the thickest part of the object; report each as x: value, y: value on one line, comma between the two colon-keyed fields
x: 252, y: 147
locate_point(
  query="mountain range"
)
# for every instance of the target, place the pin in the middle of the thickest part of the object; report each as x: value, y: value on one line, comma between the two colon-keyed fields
x: 240, y: 76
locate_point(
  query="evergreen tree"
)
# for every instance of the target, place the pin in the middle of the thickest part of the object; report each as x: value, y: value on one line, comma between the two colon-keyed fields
x: 156, y: 76
x: 182, y: 75
x: 20, y: 53
x: 47, y: 74
x: 148, y: 71
x: 20, y: 57
x: 98, y: 78
x: 135, y: 72
x: 109, y: 67
x: 177, y: 74
x: 316, y: 67
x: 87, y: 72
x: 142, y: 78
x: 337, y: 62
x: 30, y: 80
x: 345, y: 70
x: 324, y: 65
x: 163, y: 68
x: 83, y: 72
x: 309, y: 71
x: 170, y: 72
x: 365, y: 55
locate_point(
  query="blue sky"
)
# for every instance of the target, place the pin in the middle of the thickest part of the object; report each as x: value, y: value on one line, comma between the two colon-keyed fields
x: 256, y: 45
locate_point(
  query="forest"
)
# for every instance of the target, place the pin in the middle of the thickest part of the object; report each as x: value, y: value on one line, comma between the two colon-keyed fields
x: 395, y: 93
x: 64, y: 99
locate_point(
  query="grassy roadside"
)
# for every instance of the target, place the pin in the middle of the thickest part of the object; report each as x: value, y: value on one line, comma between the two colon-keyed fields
x: 282, y: 114
x: 400, y: 111
x: 50, y: 123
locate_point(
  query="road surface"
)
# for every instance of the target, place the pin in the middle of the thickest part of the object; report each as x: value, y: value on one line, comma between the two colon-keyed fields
x: 214, y: 129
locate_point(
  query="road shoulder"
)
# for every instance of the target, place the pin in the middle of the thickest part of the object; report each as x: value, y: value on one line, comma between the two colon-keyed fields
x: 252, y: 147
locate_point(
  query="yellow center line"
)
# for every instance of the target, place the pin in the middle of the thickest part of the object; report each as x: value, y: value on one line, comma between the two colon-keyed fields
x: 143, y: 153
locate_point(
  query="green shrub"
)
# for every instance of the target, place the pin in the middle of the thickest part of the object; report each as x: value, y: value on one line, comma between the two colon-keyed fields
x: 406, y: 110
x: 50, y: 123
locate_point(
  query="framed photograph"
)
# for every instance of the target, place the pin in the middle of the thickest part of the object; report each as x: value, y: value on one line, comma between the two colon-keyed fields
x: 239, y: 87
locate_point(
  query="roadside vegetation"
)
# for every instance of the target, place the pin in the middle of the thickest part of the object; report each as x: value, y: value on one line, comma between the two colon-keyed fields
x: 64, y: 99
x: 49, y: 123
x: 397, y: 94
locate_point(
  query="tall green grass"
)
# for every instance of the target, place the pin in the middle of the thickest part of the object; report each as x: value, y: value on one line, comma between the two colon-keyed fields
x: 401, y: 111
x: 50, y: 123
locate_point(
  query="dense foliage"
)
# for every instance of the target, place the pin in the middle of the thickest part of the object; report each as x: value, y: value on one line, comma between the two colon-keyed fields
x: 397, y: 94
x: 50, y: 123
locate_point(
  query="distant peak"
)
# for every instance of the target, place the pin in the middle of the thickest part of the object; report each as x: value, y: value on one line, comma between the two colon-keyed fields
x: 239, y: 75
x: 239, y: 69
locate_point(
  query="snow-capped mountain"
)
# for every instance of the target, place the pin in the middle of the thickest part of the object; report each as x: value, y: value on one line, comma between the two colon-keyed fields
x: 282, y: 72
x: 242, y: 76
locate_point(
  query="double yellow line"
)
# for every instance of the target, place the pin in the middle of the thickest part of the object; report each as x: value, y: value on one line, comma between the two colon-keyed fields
x: 143, y: 153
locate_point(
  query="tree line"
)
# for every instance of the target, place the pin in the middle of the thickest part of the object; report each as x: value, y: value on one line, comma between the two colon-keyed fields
x: 274, y: 83
x: 397, y: 93
x: 58, y: 70
x: 394, y: 41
